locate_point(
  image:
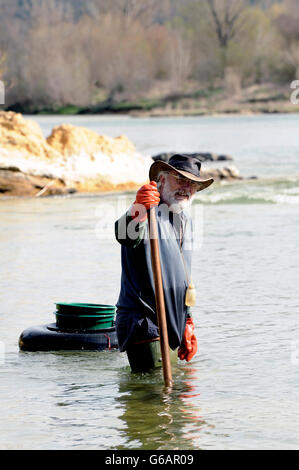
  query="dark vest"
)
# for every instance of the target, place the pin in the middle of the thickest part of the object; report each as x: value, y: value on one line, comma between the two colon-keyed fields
x: 136, y: 306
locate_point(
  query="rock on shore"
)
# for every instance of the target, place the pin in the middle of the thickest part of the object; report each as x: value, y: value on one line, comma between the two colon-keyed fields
x: 71, y: 159
x: 202, y: 156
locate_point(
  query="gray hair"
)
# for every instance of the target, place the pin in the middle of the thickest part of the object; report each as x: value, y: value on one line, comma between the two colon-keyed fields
x: 161, y: 173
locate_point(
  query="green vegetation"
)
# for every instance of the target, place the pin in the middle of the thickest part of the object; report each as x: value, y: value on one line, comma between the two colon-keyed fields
x: 123, y: 106
x: 68, y: 109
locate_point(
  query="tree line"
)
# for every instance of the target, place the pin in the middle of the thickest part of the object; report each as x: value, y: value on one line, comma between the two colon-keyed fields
x: 59, y: 52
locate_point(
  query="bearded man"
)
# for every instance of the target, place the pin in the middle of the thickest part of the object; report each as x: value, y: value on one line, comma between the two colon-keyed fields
x: 171, y: 190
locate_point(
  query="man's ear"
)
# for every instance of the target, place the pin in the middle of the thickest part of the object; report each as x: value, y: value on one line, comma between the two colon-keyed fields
x: 161, y: 181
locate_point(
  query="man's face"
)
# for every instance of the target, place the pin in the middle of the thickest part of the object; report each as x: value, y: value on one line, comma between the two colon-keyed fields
x: 176, y: 191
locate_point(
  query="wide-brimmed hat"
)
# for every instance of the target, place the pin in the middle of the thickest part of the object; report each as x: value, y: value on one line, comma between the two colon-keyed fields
x: 184, y: 165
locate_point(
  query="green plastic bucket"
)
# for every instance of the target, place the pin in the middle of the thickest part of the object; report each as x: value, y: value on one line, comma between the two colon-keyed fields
x: 79, y: 316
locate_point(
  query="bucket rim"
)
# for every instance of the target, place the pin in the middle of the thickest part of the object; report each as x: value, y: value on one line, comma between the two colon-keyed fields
x: 85, y: 305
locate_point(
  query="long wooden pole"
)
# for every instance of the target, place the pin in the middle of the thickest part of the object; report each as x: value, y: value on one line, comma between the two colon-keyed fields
x: 160, y: 304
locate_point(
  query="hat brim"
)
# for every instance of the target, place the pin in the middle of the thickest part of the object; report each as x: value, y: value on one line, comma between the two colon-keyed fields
x: 159, y: 165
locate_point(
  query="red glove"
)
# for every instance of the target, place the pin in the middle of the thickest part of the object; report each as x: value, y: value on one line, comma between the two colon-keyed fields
x: 148, y: 195
x: 188, y: 347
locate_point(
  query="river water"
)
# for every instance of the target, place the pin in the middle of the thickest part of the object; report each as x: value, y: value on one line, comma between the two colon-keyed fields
x: 241, y: 390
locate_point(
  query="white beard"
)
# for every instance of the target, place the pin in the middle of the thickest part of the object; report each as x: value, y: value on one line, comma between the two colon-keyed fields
x: 169, y: 197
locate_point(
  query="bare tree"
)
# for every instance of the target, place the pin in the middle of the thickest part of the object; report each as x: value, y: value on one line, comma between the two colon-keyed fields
x: 225, y: 14
x: 225, y: 18
x: 145, y: 12
x: 180, y: 60
x: 122, y: 61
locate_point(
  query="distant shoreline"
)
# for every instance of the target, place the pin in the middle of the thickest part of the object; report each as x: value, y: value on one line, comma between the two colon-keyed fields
x: 291, y: 109
x: 255, y: 100
x: 178, y: 114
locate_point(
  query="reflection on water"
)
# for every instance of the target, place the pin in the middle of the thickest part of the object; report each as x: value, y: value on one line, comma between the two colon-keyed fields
x: 156, y: 417
x: 92, y: 400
